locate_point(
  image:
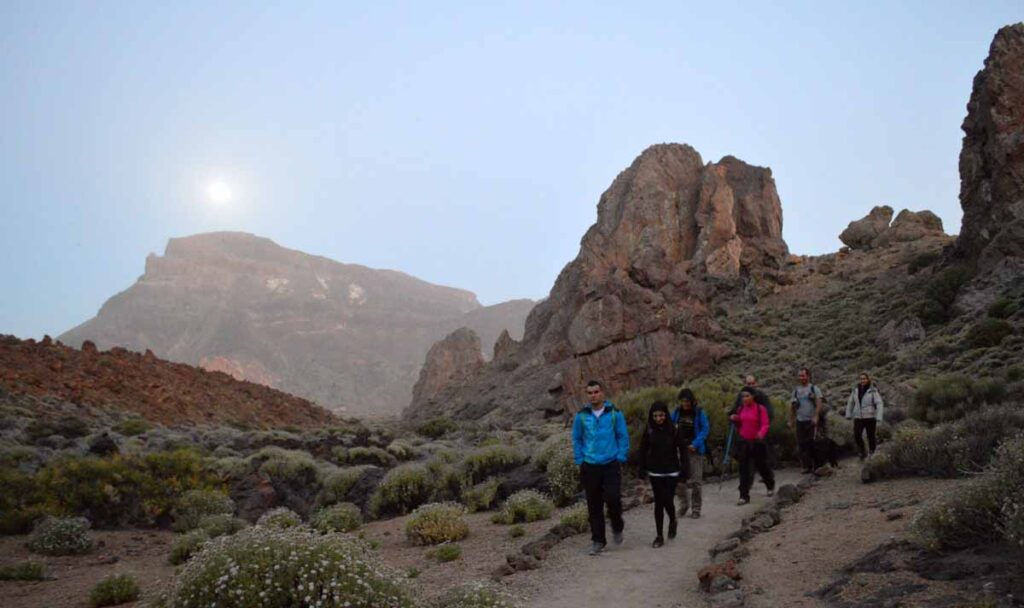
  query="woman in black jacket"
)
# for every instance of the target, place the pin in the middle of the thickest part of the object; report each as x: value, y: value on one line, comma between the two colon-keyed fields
x: 660, y: 457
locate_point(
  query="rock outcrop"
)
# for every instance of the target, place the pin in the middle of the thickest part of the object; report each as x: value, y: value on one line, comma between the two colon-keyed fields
x: 874, y: 230
x: 992, y: 157
x: 348, y: 337
x: 453, y: 359
x: 861, y: 234
x: 633, y: 308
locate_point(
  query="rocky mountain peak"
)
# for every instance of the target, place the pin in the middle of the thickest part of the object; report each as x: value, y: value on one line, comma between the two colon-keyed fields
x: 874, y: 230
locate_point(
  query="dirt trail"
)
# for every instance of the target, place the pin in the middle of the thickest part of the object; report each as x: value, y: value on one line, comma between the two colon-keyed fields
x: 634, y: 574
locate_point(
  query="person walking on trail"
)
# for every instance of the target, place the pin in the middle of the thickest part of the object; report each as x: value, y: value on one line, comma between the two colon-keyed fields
x: 692, y: 425
x: 661, y: 456
x: 805, y: 415
x: 750, y: 385
x: 600, y: 442
x: 752, y: 427
x: 865, y: 407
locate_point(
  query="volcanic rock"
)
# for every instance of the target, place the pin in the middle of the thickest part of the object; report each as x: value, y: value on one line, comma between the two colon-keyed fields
x: 992, y: 157
x: 453, y: 359
x: 911, y: 226
x: 861, y: 234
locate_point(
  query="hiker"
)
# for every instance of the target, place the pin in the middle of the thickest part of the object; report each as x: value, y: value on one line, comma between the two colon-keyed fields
x: 752, y: 427
x: 750, y: 385
x: 865, y: 407
x: 661, y: 456
x: 692, y: 425
x: 600, y: 442
x: 805, y: 414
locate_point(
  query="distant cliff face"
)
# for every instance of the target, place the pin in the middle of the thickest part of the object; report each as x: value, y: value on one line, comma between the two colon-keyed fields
x: 342, y: 335
x: 633, y: 308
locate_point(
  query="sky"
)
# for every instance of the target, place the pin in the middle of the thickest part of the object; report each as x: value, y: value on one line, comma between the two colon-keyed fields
x: 466, y: 144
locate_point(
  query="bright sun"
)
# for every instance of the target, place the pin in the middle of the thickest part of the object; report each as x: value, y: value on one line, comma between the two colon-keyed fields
x: 218, y: 192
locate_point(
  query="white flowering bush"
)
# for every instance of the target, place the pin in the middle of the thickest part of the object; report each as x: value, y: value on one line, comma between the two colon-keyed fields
x: 61, y: 536
x: 563, y: 476
x: 437, y: 523
x: 194, y: 505
x: 550, y: 447
x: 524, y: 506
x: 342, y: 517
x: 265, y: 567
x: 577, y: 517
x: 477, y: 594
x: 281, y: 518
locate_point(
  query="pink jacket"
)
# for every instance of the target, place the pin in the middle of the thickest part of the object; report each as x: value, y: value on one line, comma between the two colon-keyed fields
x: 753, y: 424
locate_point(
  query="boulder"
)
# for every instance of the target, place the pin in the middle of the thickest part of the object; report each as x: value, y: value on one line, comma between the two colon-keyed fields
x: 895, y: 335
x: 861, y: 234
x: 911, y: 226
x: 709, y: 573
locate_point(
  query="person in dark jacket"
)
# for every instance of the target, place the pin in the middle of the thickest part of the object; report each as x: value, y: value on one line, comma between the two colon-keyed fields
x: 692, y: 425
x: 661, y: 456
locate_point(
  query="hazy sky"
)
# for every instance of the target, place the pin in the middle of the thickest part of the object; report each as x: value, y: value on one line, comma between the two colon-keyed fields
x: 464, y: 144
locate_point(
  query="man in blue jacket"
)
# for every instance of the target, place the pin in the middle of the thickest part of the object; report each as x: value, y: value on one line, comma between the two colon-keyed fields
x: 692, y: 424
x: 600, y: 443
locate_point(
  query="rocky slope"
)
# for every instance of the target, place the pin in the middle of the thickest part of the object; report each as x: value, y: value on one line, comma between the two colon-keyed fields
x: 672, y: 234
x: 348, y: 337
x: 161, y: 391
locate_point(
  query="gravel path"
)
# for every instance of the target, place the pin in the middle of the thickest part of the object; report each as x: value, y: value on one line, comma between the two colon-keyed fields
x: 634, y: 574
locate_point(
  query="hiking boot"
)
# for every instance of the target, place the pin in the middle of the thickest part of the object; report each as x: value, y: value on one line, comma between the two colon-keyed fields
x: 695, y: 515
x: 659, y: 541
x: 682, y: 510
x: 617, y: 537
x: 672, y: 525
x: 596, y: 548
x: 743, y: 501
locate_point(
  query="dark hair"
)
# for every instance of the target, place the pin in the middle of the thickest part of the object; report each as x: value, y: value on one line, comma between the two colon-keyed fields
x: 657, y: 406
x: 805, y: 369
x: 594, y: 383
x: 687, y: 394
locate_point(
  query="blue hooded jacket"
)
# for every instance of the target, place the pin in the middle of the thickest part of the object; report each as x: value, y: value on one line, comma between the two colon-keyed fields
x: 600, y: 440
x: 701, y: 428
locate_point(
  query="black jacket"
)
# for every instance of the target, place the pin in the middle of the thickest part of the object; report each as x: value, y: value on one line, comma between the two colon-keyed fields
x: 660, y: 449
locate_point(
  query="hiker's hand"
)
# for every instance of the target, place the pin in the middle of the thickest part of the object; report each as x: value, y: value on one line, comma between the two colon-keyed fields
x: 734, y: 418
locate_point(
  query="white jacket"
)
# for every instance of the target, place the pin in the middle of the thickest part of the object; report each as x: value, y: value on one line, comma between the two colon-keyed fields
x: 870, y: 406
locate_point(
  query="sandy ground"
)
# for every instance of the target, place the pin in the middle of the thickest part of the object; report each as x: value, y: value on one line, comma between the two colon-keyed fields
x: 141, y: 553
x: 634, y: 574
x: 837, y: 522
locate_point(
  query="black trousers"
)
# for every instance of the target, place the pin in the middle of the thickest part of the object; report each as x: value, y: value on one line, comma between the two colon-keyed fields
x: 805, y: 441
x: 753, y: 455
x: 860, y: 425
x: 602, y: 484
x: 664, y: 500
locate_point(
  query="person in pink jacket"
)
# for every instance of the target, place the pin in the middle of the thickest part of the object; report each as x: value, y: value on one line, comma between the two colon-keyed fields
x: 752, y: 423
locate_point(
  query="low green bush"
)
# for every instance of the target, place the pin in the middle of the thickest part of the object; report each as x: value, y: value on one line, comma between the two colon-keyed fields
x: 371, y: 455
x: 294, y: 466
x: 446, y: 553
x: 340, y: 517
x: 482, y: 496
x: 23, y: 571
x: 516, y: 531
x: 949, y: 397
x: 21, y: 502
x: 484, y: 462
x: 402, y: 489
x: 280, y: 518
x: 186, y: 545
x: 436, y: 428
x: 523, y: 507
x: 474, y: 595
x: 292, y: 567
x: 195, y: 505
x: 222, y: 524
x: 113, y: 590
x: 69, y: 427
x: 988, y: 332
x: 938, y: 299
x: 401, y: 450
x: 577, y: 517
x: 549, y: 448
x: 436, y: 523
x: 447, y: 479
x: 337, y: 484
x: 1002, y: 308
x: 563, y: 476
x: 922, y: 261
x: 130, y: 427
x: 61, y: 536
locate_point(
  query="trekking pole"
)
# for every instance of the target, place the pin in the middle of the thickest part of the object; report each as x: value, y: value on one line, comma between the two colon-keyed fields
x: 725, y: 457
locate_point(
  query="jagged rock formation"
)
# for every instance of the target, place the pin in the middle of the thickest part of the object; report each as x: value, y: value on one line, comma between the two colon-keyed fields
x: 161, y: 391
x: 450, y: 360
x: 874, y: 230
x: 633, y: 308
x: 348, y: 337
x: 992, y: 157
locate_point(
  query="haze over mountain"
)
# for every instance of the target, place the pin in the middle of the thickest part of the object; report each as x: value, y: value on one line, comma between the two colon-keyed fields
x: 346, y: 336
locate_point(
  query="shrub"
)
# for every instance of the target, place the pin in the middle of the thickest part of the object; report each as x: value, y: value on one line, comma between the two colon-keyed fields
x: 113, y: 590
x: 447, y: 481
x: 23, y: 571
x: 280, y: 518
x: 293, y: 567
x: 130, y: 427
x: 337, y: 484
x: 20, y: 502
x: 288, y: 465
x: 939, y: 298
x: 186, y: 545
x: 988, y: 332
x: 371, y: 455
x: 436, y: 523
x: 401, y: 450
x: 436, y: 428
x: 634, y: 406
x: 1002, y: 308
x: 963, y: 518
x: 949, y: 397
x: 577, y: 517
x: 482, y: 496
x: 68, y: 427
x: 484, y: 462
x: 222, y: 524
x: 921, y: 262
x: 61, y: 536
x: 523, y: 507
x: 563, y: 477
x: 516, y: 531
x: 446, y: 553
x: 474, y: 595
x: 403, y: 488
x: 550, y: 447
x: 195, y: 505
x: 341, y: 517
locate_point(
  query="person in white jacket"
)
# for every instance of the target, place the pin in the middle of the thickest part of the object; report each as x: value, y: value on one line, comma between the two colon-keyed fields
x: 865, y: 408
